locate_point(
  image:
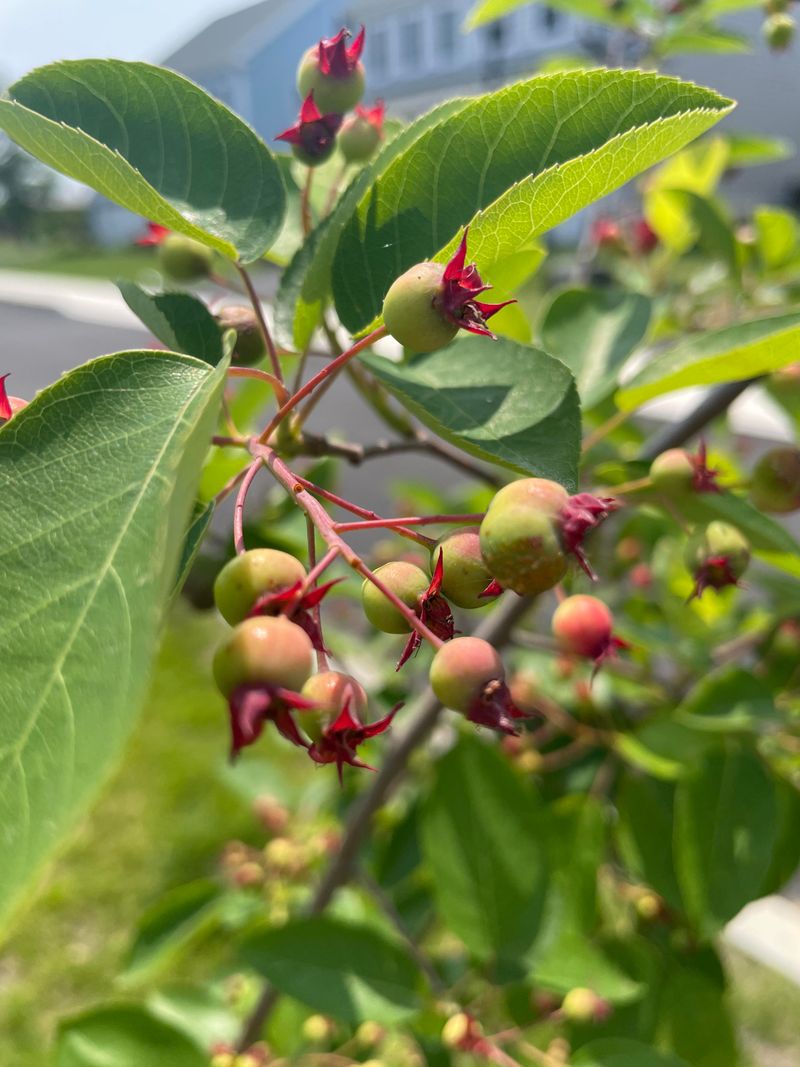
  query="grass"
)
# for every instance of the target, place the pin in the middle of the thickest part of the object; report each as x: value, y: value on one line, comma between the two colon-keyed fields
x: 160, y: 822
x: 85, y: 261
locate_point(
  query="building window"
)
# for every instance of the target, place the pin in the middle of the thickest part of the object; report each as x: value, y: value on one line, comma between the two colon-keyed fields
x: 411, y: 44
x: 446, y: 34
x: 378, y: 48
x: 545, y: 18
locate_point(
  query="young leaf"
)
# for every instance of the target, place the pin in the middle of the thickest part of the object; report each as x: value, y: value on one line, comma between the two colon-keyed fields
x: 725, y: 829
x: 306, y: 283
x: 512, y: 164
x: 727, y: 355
x: 594, y: 331
x: 623, y: 1052
x: 693, y: 1017
x: 123, y: 1035
x: 484, y: 842
x: 97, y: 477
x: 156, y: 143
x: 179, y: 320
x: 193, y: 539
x: 350, y: 972
x: 728, y: 699
x: 645, y: 809
x: 498, y: 400
x: 489, y: 10
x: 777, y: 235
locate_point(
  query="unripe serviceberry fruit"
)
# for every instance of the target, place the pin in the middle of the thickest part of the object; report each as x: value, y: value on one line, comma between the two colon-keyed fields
x: 361, y: 134
x: 334, y: 73
x: 462, y: 669
x: 583, y: 626
x: 672, y: 473
x: 717, y: 556
x: 184, y: 259
x: 251, y: 575
x: 249, y: 347
x: 465, y: 573
x: 582, y: 1005
x: 778, y: 31
x: 775, y: 482
x: 330, y: 691
x: 520, y: 537
x: 407, y: 581
x: 264, y: 651
x: 410, y: 313
x: 524, y: 686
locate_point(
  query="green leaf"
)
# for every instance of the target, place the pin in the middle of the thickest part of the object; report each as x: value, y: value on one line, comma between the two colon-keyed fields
x: 727, y: 355
x: 704, y: 39
x: 767, y: 537
x: 777, y: 234
x: 645, y: 808
x: 350, y: 972
x: 193, y: 539
x: 179, y: 320
x: 512, y: 164
x: 752, y: 150
x: 489, y: 10
x: 662, y: 747
x: 484, y: 842
x: 725, y: 830
x: 156, y: 143
x: 124, y: 1036
x: 498, y: 400
x: 202, y: 1012
x: 97, y: 476
x: 728, y: 699
x: 173, y: 922
x: 594, y: 331
x: 622, y: 1052
x: 306, y: 283
x: 693, y: 1018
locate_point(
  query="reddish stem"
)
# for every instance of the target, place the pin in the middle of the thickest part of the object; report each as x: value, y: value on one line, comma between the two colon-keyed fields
x: 347, y: 505
x: 333, y: 367
x: 255, y: 300
x: 311, y: 581
x: 238, y: 511
x: 409, y: 520
x: 261, y: 375
x: 305, y: 203
x: 325, y: 525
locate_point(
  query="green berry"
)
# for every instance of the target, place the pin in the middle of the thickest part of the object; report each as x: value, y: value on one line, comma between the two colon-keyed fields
x: 410, y: 313
x: 465, y: 573
x: 719, y: 541
x: 358, y: 139
x: 184, y: 259
x: 672, y: 473
x: 263, y: 651
x: 249, y: 347
x: 580, y: 1005
x: 461, y: 670
x: 778, y: 31
x: 775, y: 483
x: 406, y: 581
x: 330, y: 690
x: 520, y: 536
x: 333, y: 95
x: 251, y: 575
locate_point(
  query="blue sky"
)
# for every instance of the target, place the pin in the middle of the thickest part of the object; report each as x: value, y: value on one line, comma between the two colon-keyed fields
x: 33, y: 32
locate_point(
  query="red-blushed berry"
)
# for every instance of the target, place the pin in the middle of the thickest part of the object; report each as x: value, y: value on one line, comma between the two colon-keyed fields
x: 362, y: 132
x: 628, y: 550
x: 184, y: 259
x: 333, y: 71
x: 524, y: 686
x: 531, y: 528
x: 676, y: 473
x: 252, y: 575
x: 313, y: 136
x: 778, y: 31
x: 716, y: 556
x: 249, y: 347
x: 272, y: 815
x: 410, y: 584
x: 644, y: 238
x: 584, y: 626
x: 261, y: 668
x: 775, y: 482
x: 607, y: 234
x: 467, y: 675
x: 465, y: 580
x: 425, y: 307
x: 329, y: 691
x: 641, y: 576
x: 9, y: 405
x: 341, y: 739
x: 582, y: 1005
x: 369, y: 1034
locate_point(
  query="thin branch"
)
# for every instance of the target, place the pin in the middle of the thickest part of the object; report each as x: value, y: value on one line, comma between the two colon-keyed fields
x: 305, y: 203
x: 495, y: 629
x: 717, y: 402
x: 255, y: 300
x: 238, y: 511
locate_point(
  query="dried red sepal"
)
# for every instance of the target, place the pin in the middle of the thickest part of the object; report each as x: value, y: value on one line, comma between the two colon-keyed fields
x: 156, y: 233
x: 373, y: 115
x: 313, y: 131
x: 716, y: 573
x: 493, y: 589
x: 298, y: 606
x: 494, y: 708
x: 434, y: 611
x: 252, y: 707
x: 335, y: 57
x: 581, y: 514
x: 704, y: 478
x: 341, y: 739
x: 461, y: 284
x: 6, y: 410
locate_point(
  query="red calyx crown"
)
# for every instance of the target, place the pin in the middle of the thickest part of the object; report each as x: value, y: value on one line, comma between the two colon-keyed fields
x: 313, y: 131
x: 298, y: 605
x: 334, y: 56
x: 581, y: 514
x: 340, y: 740
x: 373, y: 115
x: 434, y: 611
x: 461, y: 284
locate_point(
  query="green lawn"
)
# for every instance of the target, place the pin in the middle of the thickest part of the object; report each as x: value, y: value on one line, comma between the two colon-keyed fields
x: 161, y: 821
x: 131, y: 263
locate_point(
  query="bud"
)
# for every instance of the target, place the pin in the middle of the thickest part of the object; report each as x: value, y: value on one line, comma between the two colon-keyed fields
x: 716, y: 556
x: 370, y: 1034
x: 273, y: 816
x: 318, y: 1029
x: 778, y: 31
x: 583, y: 1005
x: 458, y: 1030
